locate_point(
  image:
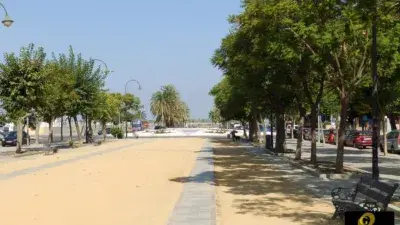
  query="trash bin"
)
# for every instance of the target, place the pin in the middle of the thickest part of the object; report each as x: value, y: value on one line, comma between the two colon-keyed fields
x: 268, y: 142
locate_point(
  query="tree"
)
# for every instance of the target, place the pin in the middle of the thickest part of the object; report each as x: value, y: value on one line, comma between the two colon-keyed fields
x: 168, y: 107
x: 56, y: 95
x: 131, y: 109
x: 214, y: 115
x: 109, y: 109
x: 22, y: 84
x: 230, y: 102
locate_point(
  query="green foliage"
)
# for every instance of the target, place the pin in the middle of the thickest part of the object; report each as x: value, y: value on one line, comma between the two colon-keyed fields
x: 215, y: 115
x: 168, y: 107
x: 66, y: 84
x: 117, y: 132
x: 22, y: 83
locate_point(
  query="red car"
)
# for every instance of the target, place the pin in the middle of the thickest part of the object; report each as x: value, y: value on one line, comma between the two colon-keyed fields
x: 359, y: 139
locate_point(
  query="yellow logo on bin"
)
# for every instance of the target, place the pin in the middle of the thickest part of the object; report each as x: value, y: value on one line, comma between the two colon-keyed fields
x: 367, y: 219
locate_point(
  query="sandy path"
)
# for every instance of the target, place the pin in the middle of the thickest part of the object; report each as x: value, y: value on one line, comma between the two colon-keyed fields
x: 251, y: 191
x: 123, y: 187
x: 37, y: 160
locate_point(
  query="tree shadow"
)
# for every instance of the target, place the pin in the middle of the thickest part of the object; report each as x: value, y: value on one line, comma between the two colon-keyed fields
x: 263, y: 187
x: 359, y: 159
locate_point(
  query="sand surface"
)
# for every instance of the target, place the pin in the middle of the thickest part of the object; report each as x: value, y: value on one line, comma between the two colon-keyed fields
x: 131, y: 186
x: 37, y: 160
x: 251, y: 191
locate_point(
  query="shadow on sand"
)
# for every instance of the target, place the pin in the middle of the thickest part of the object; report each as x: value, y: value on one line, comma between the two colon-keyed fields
x: 266, y: 187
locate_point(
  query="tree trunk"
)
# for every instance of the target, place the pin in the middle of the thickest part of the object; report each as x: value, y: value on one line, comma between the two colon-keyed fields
x: 313, y: 135
x: 254, y: 124
x: 292, y: 129
x: 62, y: 127
x: 78, y: 131
x: 280, y: 132
x: 344, y: 103
x: 299, y: 139
x: 272, y: 131
x: 37, y: 131
x: 90, y: 131
x: 126, y: 129
x: 104, y: 131
x: 244, y: 130
x: 70, y: 128
x: 255, y: 131
x: 384, y: 135
x: 302, y: 112
x: 392, y: 120
x: 20, y: 125
x: 251, y: 130
x: 337, y: 130
x: 50, y: 138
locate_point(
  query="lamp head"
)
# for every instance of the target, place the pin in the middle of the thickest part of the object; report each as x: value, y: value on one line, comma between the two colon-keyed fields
x: 7, y: 21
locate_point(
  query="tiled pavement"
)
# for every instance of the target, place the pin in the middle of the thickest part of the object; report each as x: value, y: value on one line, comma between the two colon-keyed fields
x: 389, y: 165
x: 320, y: 188
x: 196, y: 205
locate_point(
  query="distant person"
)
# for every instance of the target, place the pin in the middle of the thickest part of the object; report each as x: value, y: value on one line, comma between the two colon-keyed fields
x: 233, y: 135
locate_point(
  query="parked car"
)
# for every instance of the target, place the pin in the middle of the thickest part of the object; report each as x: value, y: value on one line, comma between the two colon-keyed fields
x: 358, y: 139
x: 11, y: 139
x: 393, y: 141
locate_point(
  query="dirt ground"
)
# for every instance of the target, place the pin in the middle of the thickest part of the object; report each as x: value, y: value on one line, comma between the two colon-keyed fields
x: 39, y: 159
x: 251, y: 191
x: 131, y: 186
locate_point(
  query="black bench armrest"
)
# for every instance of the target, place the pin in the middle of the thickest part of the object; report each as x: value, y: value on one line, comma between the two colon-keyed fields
x: 370, y: 206
x: 340, y: 193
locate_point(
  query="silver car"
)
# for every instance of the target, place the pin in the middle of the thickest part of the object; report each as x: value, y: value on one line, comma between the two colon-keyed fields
x: 392, y: 141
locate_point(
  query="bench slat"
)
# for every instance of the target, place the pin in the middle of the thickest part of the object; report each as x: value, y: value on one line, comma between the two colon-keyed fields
x: 387, y: 188
x: 376, y: 195
x: 362, y: 188
x: 366, y: 180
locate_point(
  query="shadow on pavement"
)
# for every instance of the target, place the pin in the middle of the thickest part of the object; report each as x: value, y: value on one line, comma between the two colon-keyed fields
x: 266, y: 187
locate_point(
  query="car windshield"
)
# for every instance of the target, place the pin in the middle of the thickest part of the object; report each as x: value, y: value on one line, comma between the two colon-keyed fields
x: 12, y: 134
x: 136, y: 125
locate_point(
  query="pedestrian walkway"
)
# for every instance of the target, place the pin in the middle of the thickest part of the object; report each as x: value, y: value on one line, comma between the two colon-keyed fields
x: 356, y: 158
x: 196, y: 205
x: 318, y: 187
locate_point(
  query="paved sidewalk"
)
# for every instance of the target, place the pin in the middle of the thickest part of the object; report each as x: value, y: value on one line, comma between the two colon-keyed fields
x: 319, y: 187
x: 389, y: 165
x: 196, y: 206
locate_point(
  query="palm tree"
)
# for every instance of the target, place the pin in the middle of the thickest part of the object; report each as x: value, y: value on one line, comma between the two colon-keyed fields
x: 168, y: 108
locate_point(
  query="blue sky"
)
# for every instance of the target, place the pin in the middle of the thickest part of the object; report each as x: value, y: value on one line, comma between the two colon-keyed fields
x: 155, y: 42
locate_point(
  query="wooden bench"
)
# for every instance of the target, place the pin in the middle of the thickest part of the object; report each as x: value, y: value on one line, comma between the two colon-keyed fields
x: 367, y: 195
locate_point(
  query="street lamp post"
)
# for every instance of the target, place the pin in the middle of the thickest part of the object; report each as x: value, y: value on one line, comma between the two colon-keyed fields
x: 7, y: 21
x: 375, y: 110
x: 105, y: 65
x: 86, y: 119
x: 126, y: 86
